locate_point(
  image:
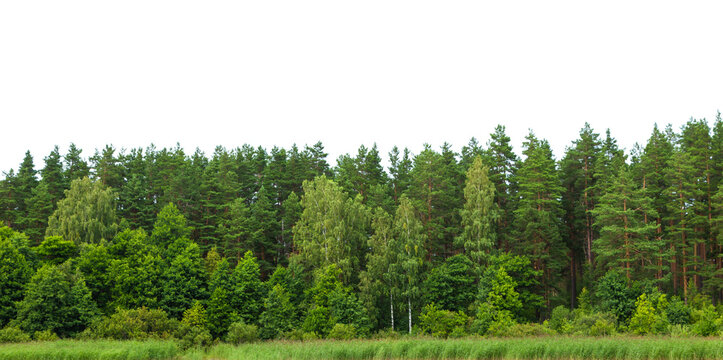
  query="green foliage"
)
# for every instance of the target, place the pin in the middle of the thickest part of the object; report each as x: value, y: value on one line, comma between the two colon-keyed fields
x: 480, y: 214
x: 13, y: 335
x: 55, y: 250
x: 279, y: 313
x: 514, y: 285
x: 615, y: 295
x: 56, y: 299
x: 318, y: 320
x: 332, y: 228
x: 15, y: 272
x: 523, y: 330
x: 193, y: 337
x: 184, y: 280
x: 248, y: 290
x: 239, y: 333
x: 645, y: 319
x: 219, y: 311
x: 707, y: 321
x: 86, y: 214
x: 441, y: 323
x: 195, y: 316
x: 451, y: 285
x: 677, y: 312
x: 342, y: 332
x: 560, y: 319
x: 133, y: 324
x: 45, y: 335
x: 602, y: 327
x: 135, y: 271
x: 94, y: 262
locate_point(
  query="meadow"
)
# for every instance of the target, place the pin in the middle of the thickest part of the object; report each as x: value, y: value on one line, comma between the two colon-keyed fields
x: 661, y: 348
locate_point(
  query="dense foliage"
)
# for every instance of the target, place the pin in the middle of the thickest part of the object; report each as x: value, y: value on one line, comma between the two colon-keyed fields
x: 254, y: 244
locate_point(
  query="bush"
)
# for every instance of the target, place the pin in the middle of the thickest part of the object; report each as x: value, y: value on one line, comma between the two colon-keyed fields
x: 645, y: 320
x: 193, y: 337
x: 560, y: 319
x: 342, y: 332
x: 441, y: 323
x: 318, y: 320
x: 309, y: 336
x: 294, y: 335
x: 678, y: 330
x: 13, y: 335
x: 239, y: 333
x: 523, y: 330
x: 583, y: 322
x: 45, y: 335
x: 677, y: 312
x: 134, y: 324
x: 602, y: 327
x: 707, y: 321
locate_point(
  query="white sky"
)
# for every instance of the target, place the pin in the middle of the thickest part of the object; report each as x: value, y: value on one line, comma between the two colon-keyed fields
x: 269, y: 73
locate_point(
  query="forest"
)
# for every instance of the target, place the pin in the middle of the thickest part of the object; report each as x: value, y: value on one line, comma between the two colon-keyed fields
x: 250, y: 243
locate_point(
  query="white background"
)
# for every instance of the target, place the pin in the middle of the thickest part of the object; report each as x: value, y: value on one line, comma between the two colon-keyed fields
x: 206, y: 73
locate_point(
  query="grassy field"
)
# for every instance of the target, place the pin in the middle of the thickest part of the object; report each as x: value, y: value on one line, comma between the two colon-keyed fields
x: 81, y: 350
x: 523, y: 348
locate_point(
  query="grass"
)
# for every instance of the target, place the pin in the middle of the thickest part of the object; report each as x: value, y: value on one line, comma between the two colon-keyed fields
x: 81, y: 350
x: 619, y: 348
x: 517, y: 349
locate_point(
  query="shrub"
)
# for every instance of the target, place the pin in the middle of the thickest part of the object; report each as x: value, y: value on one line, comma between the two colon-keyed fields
x: 707, y: 321
x: 318, y: 320
x: 678, y: 330
x: 644, y: 317
x: 523, y: 330
x: 602, y: 327
x: 309, y: 336
x: 499, y: 327
x: 583, y: 322
x: 560, y: 319
x: 386, y: 334
x: 239, y: 333
x: 193, y: 337
x: 294, y: 335
x: 134, y: 324
x: 677, y: 312
x: 45, y: 335
x: 342, y: 332
x: 13, y: 335
x: 441, y: 323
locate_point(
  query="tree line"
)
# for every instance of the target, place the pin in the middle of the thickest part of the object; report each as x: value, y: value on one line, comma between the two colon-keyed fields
x: 283, y: 240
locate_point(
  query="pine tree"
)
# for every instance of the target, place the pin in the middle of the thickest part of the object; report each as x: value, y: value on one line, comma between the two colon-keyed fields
x: 75, y: 166
x: 480, y: 214
x: 502, y: 162
x: 626, y: 241
x: 538, y: 213
x: 40, y: 207
x: 578, y: 200
x: 263, y: 231
x: 54, y: 177
x: 400, y: 171
x: 25, y: 183
x: 107, y: 168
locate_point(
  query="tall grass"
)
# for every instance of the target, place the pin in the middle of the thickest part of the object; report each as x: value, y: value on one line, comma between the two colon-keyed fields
x: 81, y: 350
x: 517, y: 349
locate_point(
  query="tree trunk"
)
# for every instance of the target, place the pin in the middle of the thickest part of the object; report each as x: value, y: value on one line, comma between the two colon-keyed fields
x: 391, y: 307
x: 409, y: 308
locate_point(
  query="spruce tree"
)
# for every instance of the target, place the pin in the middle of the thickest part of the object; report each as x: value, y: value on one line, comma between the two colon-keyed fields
x: 502, y: 162
x: 75, y: 166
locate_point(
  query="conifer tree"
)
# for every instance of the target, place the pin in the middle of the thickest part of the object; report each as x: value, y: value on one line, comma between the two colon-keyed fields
x: 53, y: 176
x: 538, y: 213
x: 400, y: 171
x: 75, y: 166
x: 626, y: 241
x: 219, y: 311
x: 502, y: 162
